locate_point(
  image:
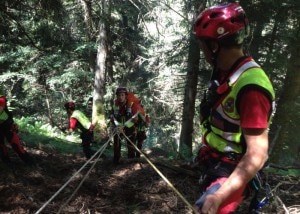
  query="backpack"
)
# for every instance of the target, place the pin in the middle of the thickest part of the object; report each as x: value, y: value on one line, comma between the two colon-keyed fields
x: 131, y: 97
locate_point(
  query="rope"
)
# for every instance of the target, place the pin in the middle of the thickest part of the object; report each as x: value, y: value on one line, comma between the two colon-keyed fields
x: 75, y: 174
x: 99, y: 152
x: 84, y: 178
x: 161, y: 175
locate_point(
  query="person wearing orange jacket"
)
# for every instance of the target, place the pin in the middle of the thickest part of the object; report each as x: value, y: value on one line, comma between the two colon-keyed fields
x: 125, y: 114
x: 9, y: 131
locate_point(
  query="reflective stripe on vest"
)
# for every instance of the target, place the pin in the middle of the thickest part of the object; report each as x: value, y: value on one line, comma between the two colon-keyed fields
x: 3, y: 116
x: 82, y: 119
x: 224, y: 133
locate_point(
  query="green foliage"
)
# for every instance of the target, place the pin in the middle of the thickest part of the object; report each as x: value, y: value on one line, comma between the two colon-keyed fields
x: 46, y: 57
x: 44, y: 136
x: 37, y: 134
x: 32, y: 126
x: 289, y: 172
x: 163, y: 139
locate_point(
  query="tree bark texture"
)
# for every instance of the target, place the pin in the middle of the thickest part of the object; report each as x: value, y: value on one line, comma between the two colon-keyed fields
x: 287, y: 115
x: 87, y: 14
x: 99, y: 86
x: 187, y: 129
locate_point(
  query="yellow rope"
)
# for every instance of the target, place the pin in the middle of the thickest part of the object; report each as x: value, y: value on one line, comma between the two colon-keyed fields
x: 161, y: 175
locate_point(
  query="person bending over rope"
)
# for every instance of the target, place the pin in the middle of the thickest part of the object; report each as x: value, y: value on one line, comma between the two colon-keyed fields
x: 9, y: 130
x: 125, y: 114
x: 235, y: 113
x: 78, y: 121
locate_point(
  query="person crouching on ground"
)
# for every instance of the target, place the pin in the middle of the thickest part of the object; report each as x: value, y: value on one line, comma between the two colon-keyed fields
x: 9, y: 130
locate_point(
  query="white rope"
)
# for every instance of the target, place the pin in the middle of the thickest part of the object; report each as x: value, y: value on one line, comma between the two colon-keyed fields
x: 76, y: 173
x: 84, y: 178
x: 99, y: 152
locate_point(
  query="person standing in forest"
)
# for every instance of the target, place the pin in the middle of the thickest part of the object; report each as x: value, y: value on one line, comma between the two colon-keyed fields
x: 235, y: 112
x: 126, y: 114
x: 78, y: 121
x: 9, y: 131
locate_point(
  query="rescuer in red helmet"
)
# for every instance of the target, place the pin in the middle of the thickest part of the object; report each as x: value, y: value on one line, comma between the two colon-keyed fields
x: 235, y: 112
x: 78, y: 121
x: 129, y: 114
x: 9, y: 131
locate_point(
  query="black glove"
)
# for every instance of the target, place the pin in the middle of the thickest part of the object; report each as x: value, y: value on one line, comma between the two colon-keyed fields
x: 212, y: 94
x: 128, y: 113
x: 205, y: 109
x: 14, y: 128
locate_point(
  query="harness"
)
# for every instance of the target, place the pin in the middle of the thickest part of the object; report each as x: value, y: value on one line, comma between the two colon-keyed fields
x: 122, y: 113
x: 221, y: 130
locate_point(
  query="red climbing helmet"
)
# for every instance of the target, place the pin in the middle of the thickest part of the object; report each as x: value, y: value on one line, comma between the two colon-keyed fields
x: 121, y: 90
x: 221, y: 21
x: 70, y: 105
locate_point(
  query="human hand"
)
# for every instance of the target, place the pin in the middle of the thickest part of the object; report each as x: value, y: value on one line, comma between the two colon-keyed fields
x: 203, y: 154
x: 92, y: 127
x: 70, y: 131
x: 211, y: 204
x: 1, y: 109
x: 14, y: 127
x: 119, y: 129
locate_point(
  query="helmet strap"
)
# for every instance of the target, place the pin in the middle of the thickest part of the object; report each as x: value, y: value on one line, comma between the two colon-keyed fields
x: 214, y: 52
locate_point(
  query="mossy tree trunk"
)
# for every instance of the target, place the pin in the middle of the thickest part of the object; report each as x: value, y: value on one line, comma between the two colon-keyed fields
x: 99, y: 85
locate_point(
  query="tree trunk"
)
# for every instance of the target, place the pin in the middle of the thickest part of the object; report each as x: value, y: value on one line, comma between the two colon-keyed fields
x: 287, y: 115
x: 87, y: 10
x: 187, y: 128
x: 99, y: 87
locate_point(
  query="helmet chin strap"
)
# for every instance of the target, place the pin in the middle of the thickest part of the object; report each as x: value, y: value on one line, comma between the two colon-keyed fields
x: 214, y: 48
x: 214, y: 59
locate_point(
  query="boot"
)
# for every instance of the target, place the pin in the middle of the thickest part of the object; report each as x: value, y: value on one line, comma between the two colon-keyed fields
x: 139, y: 145
x: 117, y: 152
x: 28, y: 160
x: 5, y: 159
x: 4, y: 153
x: 87, y: 151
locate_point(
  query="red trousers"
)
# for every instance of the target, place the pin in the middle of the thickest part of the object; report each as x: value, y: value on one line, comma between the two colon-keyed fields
x: 7, y: 133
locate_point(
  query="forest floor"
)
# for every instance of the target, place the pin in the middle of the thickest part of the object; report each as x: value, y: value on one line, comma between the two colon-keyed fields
x: 132, y: 186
